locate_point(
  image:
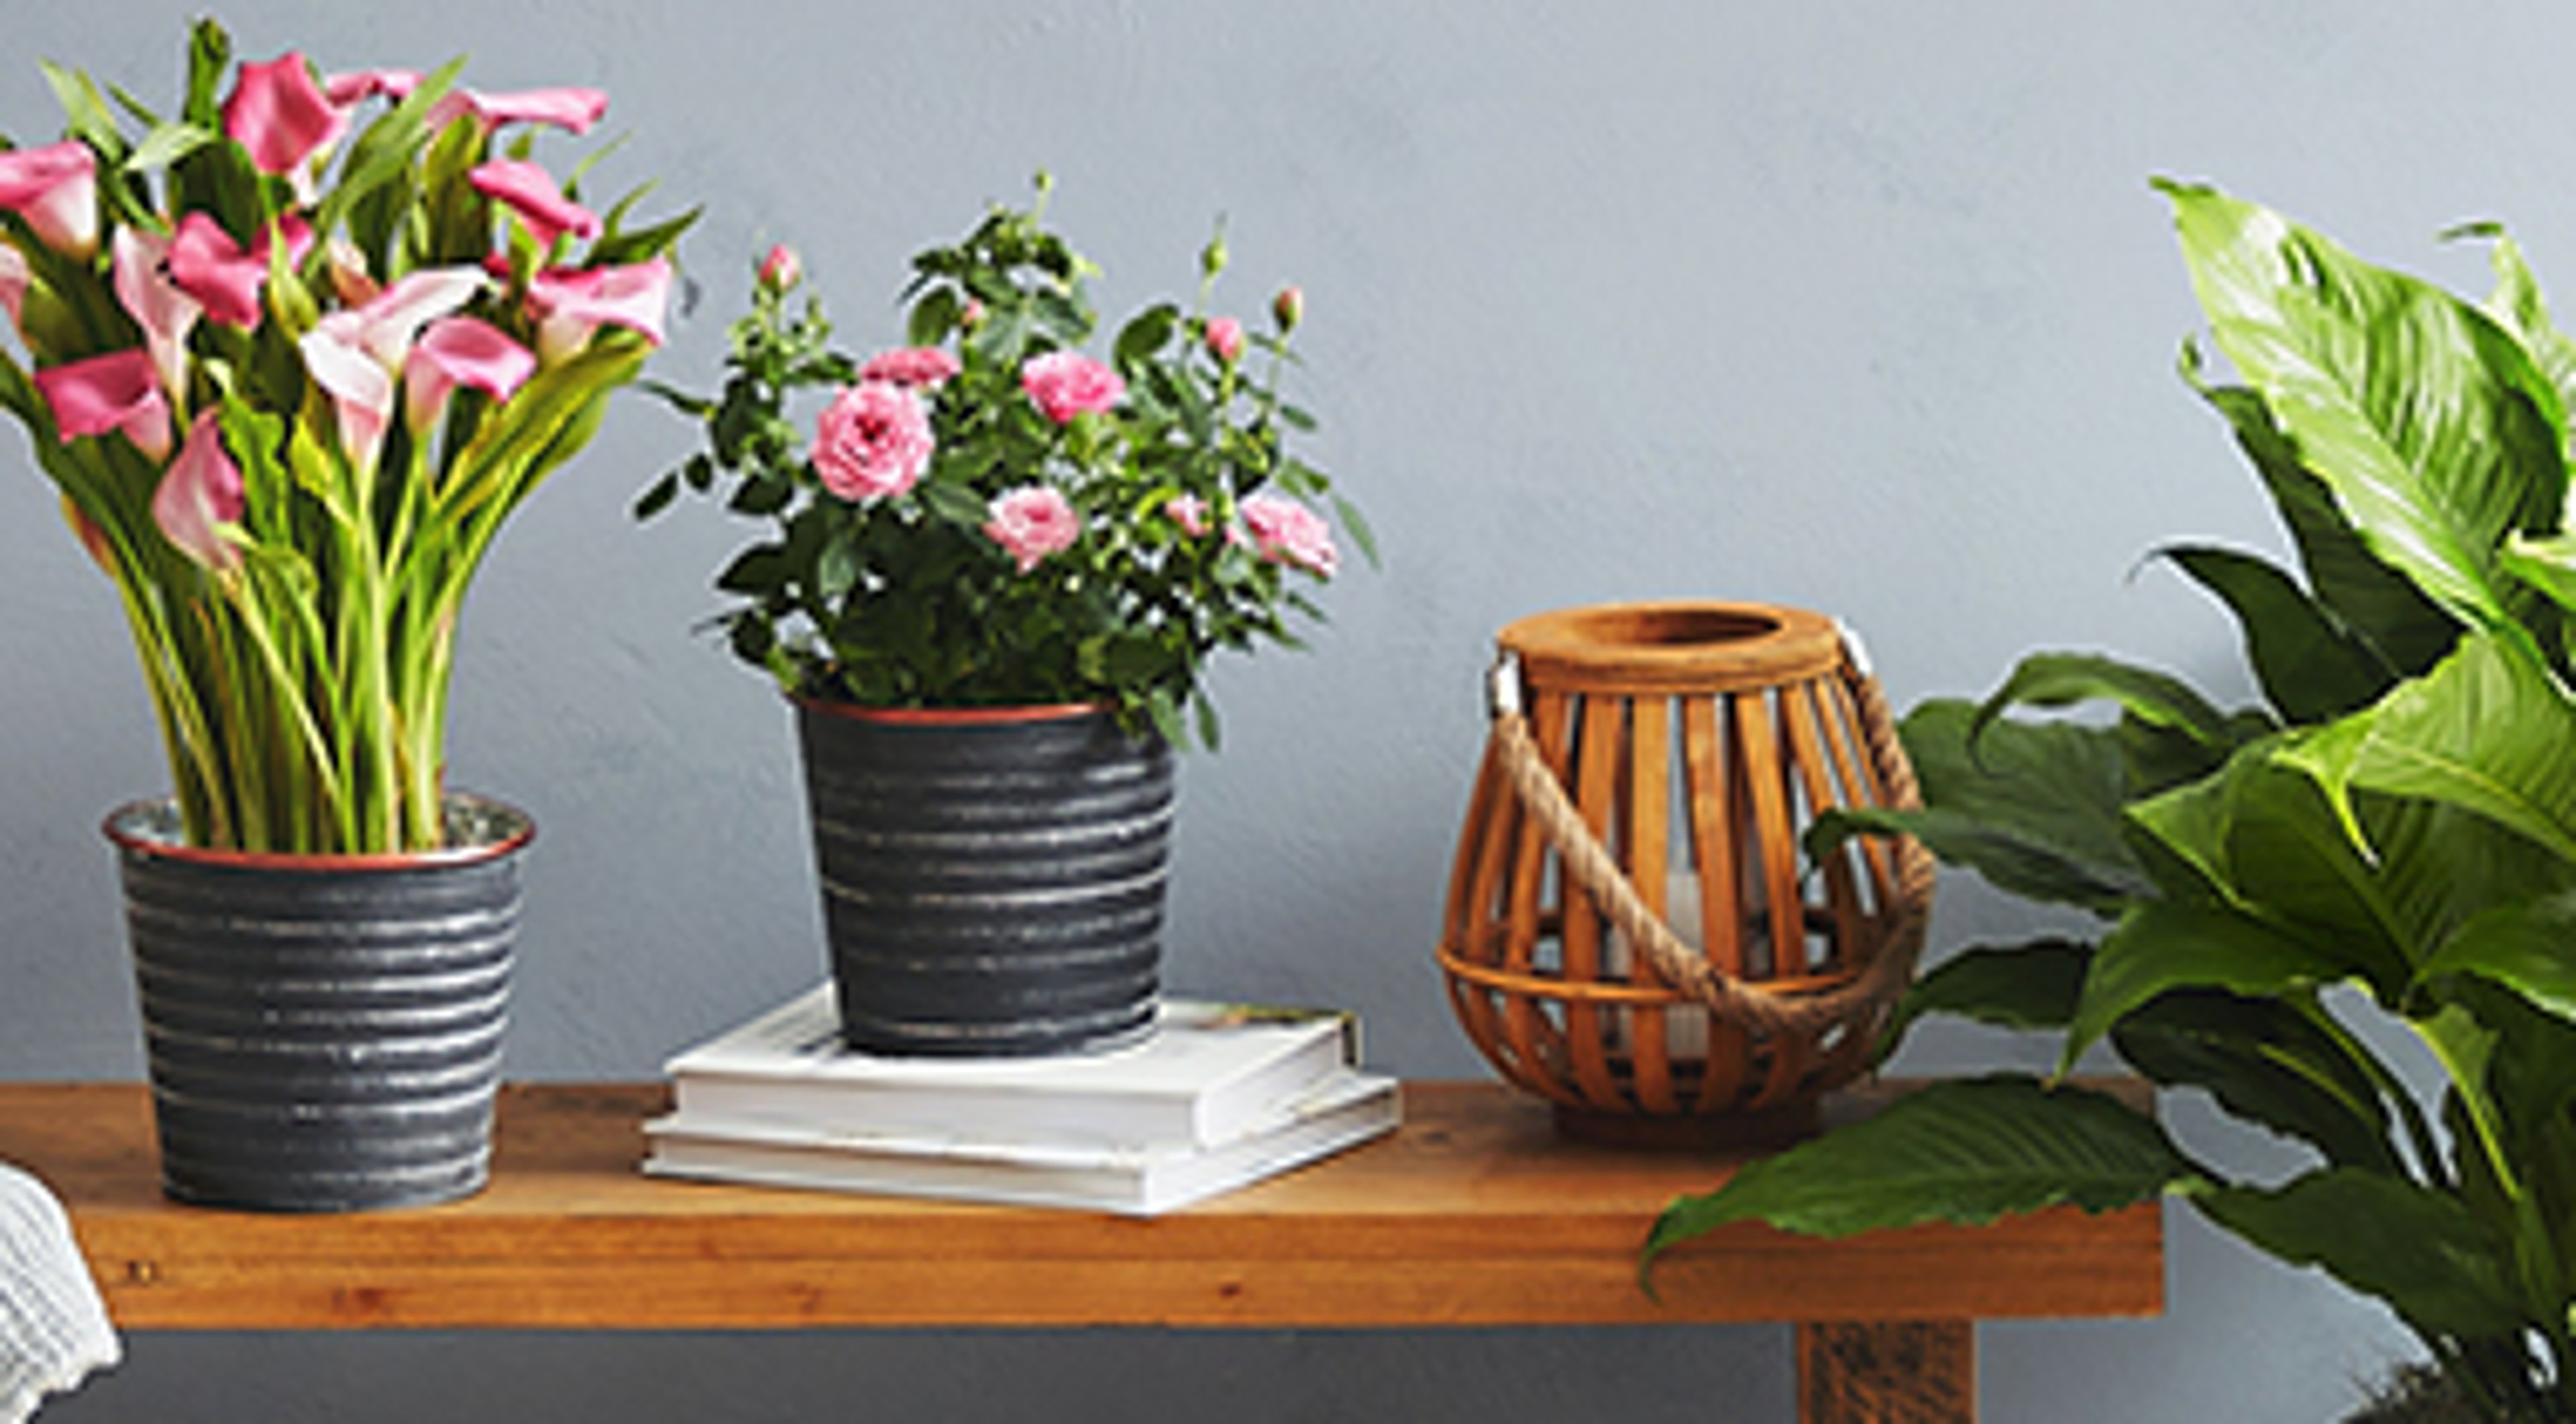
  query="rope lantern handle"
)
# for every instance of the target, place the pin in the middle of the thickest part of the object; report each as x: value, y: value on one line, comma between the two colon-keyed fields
x: 1889, y: 959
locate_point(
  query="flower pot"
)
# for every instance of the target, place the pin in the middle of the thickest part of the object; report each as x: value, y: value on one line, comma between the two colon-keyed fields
x: 324, y: 1031
x: 992, y: 878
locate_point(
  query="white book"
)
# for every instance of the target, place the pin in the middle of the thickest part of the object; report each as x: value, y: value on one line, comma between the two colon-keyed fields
x: 1345, y: 1109
x: 1205, y: 1074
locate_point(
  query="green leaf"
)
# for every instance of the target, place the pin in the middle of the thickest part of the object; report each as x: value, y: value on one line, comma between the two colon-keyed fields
x: 2487, y: 730
x: 933, y: 317
x: 2430, y: 423
x: 954, y: 503
x: 2028, y: 986
x: 2166, y: 945
x: 2418, y: 1250
x: 2070, y: 679
x: 2546, y: 563
x: 2528, y: 946
x: 2516, y: 303
x: 2265, y: 1060
x: 2034, y: 808
x: 1357, y: 526
x: 2312, y: 668
x: 658, y: 497
x: 85, y: 112
x: 167, y: 144
x: 1144, y: 334
x: 1965, y: 1151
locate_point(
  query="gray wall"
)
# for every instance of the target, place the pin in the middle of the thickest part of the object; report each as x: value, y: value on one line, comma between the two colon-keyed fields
x: 1866, y: 308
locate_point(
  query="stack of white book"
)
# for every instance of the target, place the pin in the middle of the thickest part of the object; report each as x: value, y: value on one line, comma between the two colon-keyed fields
x: 1219, y: 1096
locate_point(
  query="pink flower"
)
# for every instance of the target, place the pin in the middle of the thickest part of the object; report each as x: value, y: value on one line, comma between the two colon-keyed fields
x: 1288, y: 308
x: 531, y: 193
x: 1032, y: 522
x: 201, y: 493
x: 209, y: 266
x: 572, y: 109
x: 350, y: 281
x: 354, y: 354
x: 1225, y: 339
x: 14, y: 277
x: 55, y: 189
x: 279, y: 114
x: 459, y: 351
x: 570, y: 305
x: 1287, y: 532
x: 1067, y: 383
x: 782, y: 269
x: 347, y: 91
x: 873, y: 441
x: 973, y: 316
x: 166, y: 313
x: 1188, y: 511
x: 118, y: 391
x: 910, y: 366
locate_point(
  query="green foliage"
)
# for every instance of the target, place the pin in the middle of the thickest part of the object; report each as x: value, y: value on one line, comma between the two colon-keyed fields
x: 903, y: 592
x: 2400, y: 821
x: 298, y: 648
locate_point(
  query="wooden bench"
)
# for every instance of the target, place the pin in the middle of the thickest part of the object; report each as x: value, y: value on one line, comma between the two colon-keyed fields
x: 1476, y: 1213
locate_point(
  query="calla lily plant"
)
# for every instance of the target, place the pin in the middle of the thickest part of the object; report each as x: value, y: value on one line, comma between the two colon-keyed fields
x: 292, y: 356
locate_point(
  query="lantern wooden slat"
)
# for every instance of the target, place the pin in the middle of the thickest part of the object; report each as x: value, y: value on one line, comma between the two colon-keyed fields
x: 1755, y: 715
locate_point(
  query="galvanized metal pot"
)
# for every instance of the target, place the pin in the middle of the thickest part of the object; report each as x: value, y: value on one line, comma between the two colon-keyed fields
x: 324, y: 1031
x: 992, y: 877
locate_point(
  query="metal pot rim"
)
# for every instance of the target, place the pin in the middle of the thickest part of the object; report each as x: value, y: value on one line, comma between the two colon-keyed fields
x: 149, y: 827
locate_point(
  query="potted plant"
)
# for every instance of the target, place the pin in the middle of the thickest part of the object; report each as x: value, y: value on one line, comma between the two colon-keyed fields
x: 2386, y: 847
x: 991, y: 580
x: 293, y: 354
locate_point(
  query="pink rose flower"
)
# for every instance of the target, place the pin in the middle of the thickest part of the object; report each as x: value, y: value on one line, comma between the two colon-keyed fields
x: 1032, y: 522
x: 570, y: 305
x: 872, y: 442
x: 279, y: 113
x: 202, y: 492
x: 1067, y: 383
x: 209, y: 266
x: 1188, y: 511
x: 1287, y: 532
x: 529, y: 191
x: 781, y: 269
x: 910, y: 366
x: 118, y: 391
x: 1225, y: 339
x: 55, y: 189
x: 459, y: 351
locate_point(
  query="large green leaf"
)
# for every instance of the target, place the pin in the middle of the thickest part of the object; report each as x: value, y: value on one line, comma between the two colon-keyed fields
x: 2035, y: 808
x: 2385, y: 611
x: 2488, y: 730
x: 2419, y: 1250
x: 2433, y: 427
x: 2516, y: 302
x: 1966, y: 1150
x: 2027, y: 986
x: 2165, y: 945
x: 2265, y: 1060
x: 2312, y: 668
x: 2528, y: 946
x: 2157, y: 699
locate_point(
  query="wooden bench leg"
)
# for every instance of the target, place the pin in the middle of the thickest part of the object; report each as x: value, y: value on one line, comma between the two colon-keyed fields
x: 1888, y: 1372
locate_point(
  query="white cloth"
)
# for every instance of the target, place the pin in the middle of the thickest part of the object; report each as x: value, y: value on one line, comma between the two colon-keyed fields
x: 53, y: 1326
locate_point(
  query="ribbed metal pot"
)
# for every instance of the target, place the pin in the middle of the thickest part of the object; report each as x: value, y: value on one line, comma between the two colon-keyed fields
x: 992, y: 878
x: 324, y: 1031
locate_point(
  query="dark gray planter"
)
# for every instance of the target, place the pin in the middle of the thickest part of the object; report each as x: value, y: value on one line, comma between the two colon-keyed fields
x: 324, y: 1031
x: 992, y: 878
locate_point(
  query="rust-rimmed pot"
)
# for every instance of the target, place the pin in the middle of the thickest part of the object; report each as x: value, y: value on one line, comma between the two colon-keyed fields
x: 324, y: 1031
x: 993, y: 878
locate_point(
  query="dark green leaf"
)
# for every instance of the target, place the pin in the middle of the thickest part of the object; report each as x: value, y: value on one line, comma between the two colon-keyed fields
x: 2418, y: 1250
x: 658, y: 498
x: 933, y: 317
x: 954, y: 503
x: 2166, y: 945
x: 755, y: 570
x: 2029, y: 986
x: 2069, y: 679
x: 2311, y: 668
x: 1207, y: 719
x: 1962, y: 1151
x: 2265, y: 1060
x: 1145, y: 334
x: 2528, y: 946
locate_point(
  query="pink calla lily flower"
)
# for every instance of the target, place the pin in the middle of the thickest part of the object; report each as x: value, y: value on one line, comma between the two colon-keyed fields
x: 279, y: 113
x: 570, y: 305
x: 530, y: 192
x: 55, y: 189
x: 158, y: 305
x: 118, y: 391
x: 14, y: 278
x: 571, y: 109
x: 347, y: 91
x: 201, y: 493
x: 460, y: 351
x: 355, y: 354
x: 208, y: 265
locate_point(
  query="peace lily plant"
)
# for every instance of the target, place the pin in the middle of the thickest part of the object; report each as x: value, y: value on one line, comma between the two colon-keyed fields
x: 293, y: 355
x: 991, y: 515
x: 2385, y: 848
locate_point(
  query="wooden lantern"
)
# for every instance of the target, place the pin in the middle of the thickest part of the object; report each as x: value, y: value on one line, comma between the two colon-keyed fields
x: 1632, y: 928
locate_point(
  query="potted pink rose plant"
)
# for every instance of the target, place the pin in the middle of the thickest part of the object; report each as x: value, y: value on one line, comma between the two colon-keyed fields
x: 992, y: 576
x: 292, y: 356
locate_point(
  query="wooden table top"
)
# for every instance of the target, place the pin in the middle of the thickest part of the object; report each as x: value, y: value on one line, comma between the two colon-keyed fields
x: 1475, y: 1213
